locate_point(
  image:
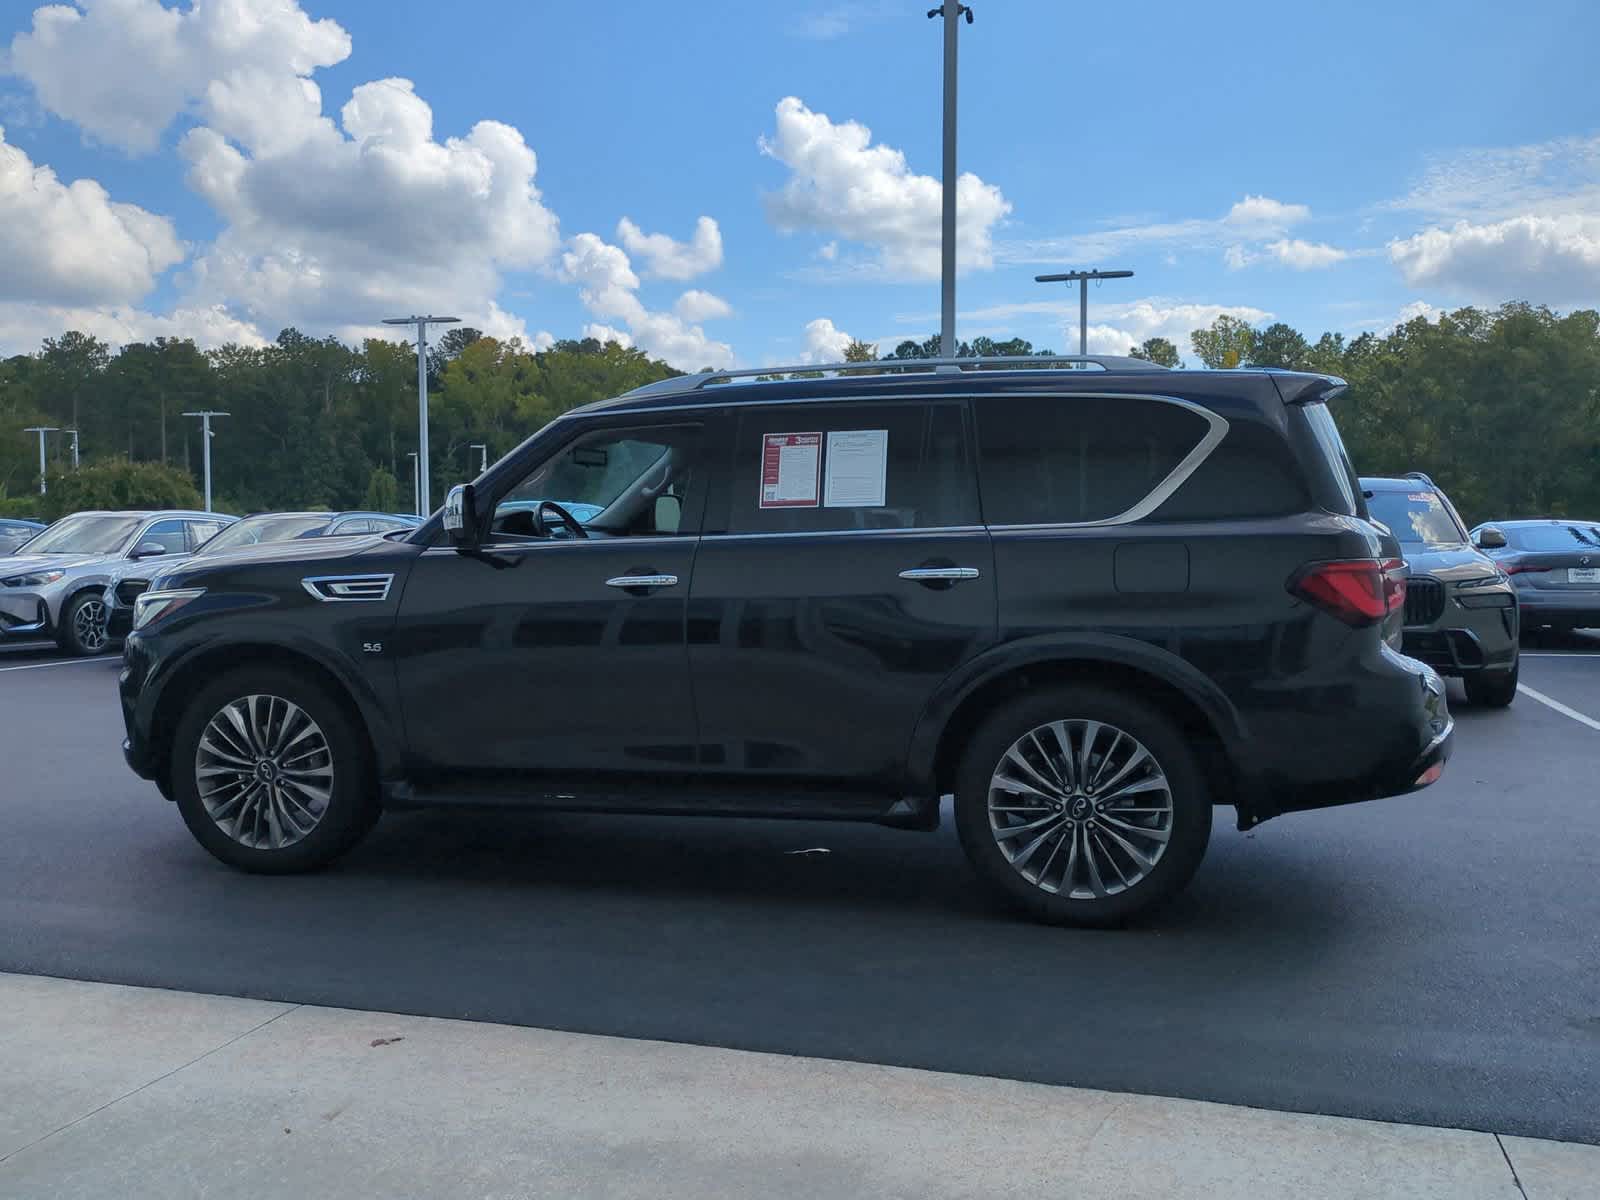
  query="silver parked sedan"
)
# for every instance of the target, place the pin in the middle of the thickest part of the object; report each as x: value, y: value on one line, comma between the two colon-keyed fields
x: 56, y: 588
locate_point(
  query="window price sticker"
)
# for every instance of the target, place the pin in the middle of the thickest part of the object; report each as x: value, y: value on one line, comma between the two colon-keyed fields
x: 791, y: 470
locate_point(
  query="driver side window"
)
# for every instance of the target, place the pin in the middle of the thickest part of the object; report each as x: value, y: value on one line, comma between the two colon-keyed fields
x: 628, y: 482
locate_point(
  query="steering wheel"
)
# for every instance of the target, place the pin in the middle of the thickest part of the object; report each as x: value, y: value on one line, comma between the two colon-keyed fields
x: 573, y: 525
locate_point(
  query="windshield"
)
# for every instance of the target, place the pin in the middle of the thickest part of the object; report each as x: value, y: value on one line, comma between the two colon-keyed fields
x: 1545, y: 539
x: 1416, y: 518
x: 254, y: 530
x: 98, y: 534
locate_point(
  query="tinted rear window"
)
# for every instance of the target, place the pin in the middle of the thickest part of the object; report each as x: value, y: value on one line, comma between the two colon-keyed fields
x: 1251, y: 474
x: 1552, y: 539
x: 1052, y: 460
x: 1326, y: 432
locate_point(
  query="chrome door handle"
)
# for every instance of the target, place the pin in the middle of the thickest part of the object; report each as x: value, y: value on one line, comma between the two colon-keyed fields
x: 924, y: 574
x: 642, y: 581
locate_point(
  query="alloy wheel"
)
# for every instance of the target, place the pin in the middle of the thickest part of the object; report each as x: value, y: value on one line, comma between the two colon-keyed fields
x: 89, y: 626
x: 264, y: 771
x: 1080, y: 808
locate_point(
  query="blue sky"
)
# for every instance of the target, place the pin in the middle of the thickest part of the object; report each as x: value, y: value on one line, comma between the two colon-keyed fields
x: 167, y: 169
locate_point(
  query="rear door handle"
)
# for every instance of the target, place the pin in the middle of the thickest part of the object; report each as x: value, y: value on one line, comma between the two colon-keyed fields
x: 935, y: 574
x: 642, y: 581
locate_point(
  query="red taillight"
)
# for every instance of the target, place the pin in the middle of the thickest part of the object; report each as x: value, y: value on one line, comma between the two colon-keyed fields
x: 1359, y: 591
x: 1521, y: 570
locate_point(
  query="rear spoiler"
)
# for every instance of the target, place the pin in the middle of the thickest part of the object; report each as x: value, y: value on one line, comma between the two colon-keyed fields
x: 1298, y: 388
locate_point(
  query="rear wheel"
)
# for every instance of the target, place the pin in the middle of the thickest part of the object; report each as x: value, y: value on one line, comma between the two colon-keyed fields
x: 1082, y: 806
x: 83, y: 625
x: 270, y: 772
x: 1496, y: 690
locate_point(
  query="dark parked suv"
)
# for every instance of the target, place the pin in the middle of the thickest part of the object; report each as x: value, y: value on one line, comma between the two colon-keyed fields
x: 1091, y: 603
x: 1460, y: 610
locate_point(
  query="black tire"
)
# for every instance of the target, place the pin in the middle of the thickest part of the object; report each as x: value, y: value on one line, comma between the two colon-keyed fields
x: 71, y: 635
x: 1188, y: 835
x: 1492, y: 690
x: 351, y: 808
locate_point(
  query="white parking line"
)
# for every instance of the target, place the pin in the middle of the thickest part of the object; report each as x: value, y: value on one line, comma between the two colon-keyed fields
x: 65, y: 662
x: 1559, y: 707
x: 1558, y: 654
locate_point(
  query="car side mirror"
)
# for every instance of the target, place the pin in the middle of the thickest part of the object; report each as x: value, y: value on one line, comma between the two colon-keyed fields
x: 461, y: 516
x: 669, y: 512
x: 147, y: 550
x: 1490, y: 538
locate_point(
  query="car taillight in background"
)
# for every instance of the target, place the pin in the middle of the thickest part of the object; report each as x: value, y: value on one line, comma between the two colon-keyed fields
x: 1519, y: 569
x: 1359, y: 591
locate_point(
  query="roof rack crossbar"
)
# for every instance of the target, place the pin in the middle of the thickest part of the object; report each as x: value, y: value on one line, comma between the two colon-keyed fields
x: 896, y: 366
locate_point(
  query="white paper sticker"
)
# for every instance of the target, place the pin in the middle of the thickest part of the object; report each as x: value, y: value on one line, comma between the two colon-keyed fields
x: 790, y: 469
x: 857, y: 464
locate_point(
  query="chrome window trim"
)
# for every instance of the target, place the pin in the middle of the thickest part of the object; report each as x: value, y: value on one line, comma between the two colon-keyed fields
x: 310, y: 583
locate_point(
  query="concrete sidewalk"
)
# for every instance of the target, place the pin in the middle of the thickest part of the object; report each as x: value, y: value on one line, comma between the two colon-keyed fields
x: 129, y: 1092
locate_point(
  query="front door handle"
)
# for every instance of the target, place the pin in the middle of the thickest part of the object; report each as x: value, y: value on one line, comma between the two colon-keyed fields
x: 642, y: 581
x: 939, y: 574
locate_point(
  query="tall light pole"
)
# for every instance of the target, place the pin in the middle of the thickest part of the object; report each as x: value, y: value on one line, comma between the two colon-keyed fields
x: 416, y: 478
x: 205, y: 444
x: 74, y: 434
x: 424, y: 491
x: 41, y: 430
x: 952, y: 14
x: 1083, y: 278
x: 483, y: 456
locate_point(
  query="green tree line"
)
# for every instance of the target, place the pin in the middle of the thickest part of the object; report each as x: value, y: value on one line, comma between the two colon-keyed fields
x: 313, y: 423
x: 1501, y: 407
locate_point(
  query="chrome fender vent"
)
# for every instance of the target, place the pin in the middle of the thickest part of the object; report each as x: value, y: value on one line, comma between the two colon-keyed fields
x: 348, y: 587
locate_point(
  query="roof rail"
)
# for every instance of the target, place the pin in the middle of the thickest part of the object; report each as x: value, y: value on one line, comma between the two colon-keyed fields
x: 894, y: 366
x: 1422, y: 475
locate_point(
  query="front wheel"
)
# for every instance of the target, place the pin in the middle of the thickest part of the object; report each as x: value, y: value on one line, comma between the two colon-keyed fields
x: 1082, y: 806
x: 83, y: 625
x: 270, y: 772
x: 1495, y: 690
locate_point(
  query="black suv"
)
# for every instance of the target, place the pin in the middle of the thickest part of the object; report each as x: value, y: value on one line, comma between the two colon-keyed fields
x: 1091, y: 603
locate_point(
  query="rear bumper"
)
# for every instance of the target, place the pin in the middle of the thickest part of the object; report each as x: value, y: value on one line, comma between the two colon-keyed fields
x: 1393, y: 738
x: 1580, y: 609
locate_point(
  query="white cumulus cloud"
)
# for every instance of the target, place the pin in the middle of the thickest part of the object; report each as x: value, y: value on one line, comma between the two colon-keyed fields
x: 1305, y: 256
x: 1265, y: 213
x: 608, y: 288
x: 1544, y: 259
x: 604, y: 333
x: 122, y: 70
x: 666, y: 258
x: 70, y: 243
x: 825, y: 342
x: 842, y: 185
x: 695, y: 305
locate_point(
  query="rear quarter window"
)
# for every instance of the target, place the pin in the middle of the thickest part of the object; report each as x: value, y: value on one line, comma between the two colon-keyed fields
x: 1061, y: 460
x: 1253, y: 473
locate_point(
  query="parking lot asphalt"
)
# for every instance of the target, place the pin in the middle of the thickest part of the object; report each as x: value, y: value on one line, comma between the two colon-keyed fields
x: 1432, y: 959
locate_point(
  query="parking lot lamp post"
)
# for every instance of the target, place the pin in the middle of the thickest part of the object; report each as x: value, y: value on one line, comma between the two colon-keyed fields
x: 41, y: 430
x: 1083, y: 278
x: 205, y: 444
x: 423, y: 489
x: 74, y: 434
x: 952, y: 14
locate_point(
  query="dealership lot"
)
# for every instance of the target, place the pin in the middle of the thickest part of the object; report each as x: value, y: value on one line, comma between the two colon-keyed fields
x: 1429, y: 959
